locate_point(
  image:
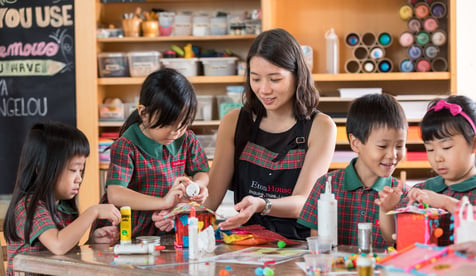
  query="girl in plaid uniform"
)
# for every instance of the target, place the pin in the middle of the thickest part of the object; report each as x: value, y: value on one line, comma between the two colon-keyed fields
x: 449, y: 133
x: 43, y: 212
x: 155, y: 153
x: 272, y: 150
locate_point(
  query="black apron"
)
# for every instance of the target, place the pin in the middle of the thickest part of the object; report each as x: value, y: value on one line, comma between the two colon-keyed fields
x: 268, y: 165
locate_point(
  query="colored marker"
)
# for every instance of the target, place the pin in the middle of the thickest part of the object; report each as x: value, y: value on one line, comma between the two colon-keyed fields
x: 422, y: 38
x: 407, y: 65
x: 414, y: 52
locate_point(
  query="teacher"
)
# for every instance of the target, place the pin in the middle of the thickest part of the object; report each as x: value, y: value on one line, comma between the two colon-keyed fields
x: 271, y: 152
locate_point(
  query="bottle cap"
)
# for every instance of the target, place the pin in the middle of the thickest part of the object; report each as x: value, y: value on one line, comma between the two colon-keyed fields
x: 328, y: 195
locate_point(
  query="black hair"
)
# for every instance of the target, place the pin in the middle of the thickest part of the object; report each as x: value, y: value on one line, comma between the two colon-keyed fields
x: 441, y: 124
x: 373, y: 111
x: 281, y: 49
x: 168, y: 97
x: 45, y: 154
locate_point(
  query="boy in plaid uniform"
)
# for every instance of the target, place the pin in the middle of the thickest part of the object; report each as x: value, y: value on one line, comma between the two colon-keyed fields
x: 155, y: 154
x: 448, y: 131
x: 377, y: 129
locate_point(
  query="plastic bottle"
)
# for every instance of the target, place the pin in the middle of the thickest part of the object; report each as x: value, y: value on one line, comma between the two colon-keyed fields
x: 327, y: 213
x: 126, y: 225
x: 192, y: 235
x: 332, y: 52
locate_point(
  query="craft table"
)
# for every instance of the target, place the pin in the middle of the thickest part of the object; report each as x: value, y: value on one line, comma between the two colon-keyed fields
x: 101, y: 260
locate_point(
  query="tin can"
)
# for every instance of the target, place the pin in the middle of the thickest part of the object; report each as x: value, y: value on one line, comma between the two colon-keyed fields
x: 126, y: 225
x: 365, y: 237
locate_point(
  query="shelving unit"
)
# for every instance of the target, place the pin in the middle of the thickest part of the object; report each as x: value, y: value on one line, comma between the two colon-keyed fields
x: 307, y: 20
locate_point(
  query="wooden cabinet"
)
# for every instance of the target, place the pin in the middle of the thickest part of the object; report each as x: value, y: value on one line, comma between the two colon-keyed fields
x: 307, y: 20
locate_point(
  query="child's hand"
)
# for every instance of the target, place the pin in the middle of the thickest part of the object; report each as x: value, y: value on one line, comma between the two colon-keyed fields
x: 246, y: 208
x: 109, y: 212
x: 164, y: 224
x: 431, y: 198
x: 203, y: 194
x: 466, y: 247
x: 174, y: 195
x: 106, y: 234
x: 389, y: 197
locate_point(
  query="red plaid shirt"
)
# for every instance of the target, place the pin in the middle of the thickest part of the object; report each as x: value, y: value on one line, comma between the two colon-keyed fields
x: 148, y: 167
x: 355, y: 204
x: 42, y: 221
x: 437, y: 185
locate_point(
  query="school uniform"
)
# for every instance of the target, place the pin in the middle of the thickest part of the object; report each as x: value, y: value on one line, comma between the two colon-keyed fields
x: 355, y: 203
x: 145, y: 166
x: 268, y: 165
x: 457, y: 191
x: 42, y: 221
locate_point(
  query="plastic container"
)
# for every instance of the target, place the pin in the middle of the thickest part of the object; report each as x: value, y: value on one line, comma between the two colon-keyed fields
x: 113, y: 65
x: 225, y: 103
x: 201, y: 25
x: 187, y: 66
x: 208, y: 143
x: 143, y: 63
x: 332, y: 52
x: 218, y: 25
x: 166, y: 23
x: 111, y: 112
x: 183, y: 25
x: 193, y: 235
x: 204, y: 107
x: 219, y: 66
x: 327, y: 210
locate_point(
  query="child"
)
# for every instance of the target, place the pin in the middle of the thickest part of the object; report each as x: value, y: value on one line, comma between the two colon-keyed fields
x: 43, y: 213
x: 448, y: 132
x: 155, y: 151
x: 376, y: 129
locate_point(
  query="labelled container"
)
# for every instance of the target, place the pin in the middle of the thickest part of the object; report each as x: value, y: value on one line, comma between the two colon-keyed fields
x: 204, y: 108
x: 352, y: 39
x: 143, y: 63
x: 225, y: 103
x: 218, y: 25
x: 219, y: 66
x: 352, y: 66
x: 113, y: 65
x: 187, y: 66
x: 166, y: 23
x: 201, y: 25
x: 183, y: 25
x: 111, y: 111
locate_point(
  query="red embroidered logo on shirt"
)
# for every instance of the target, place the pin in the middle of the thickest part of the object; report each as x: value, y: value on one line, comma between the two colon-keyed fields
x: 178, y: 163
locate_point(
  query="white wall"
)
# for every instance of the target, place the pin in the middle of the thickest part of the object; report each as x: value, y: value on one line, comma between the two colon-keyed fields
x: 466, y: 48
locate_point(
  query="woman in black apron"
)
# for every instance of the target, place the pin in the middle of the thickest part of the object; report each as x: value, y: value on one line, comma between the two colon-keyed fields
x: 272, y: 151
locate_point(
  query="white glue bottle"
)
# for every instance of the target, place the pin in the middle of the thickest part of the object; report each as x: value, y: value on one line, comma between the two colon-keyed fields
x: 192, y: 235
x: 332, y: 52
x: 327, y: 214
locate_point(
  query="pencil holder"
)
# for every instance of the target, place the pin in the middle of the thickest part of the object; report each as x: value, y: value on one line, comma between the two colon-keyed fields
x: 131, y: 27
x: 150, y: 28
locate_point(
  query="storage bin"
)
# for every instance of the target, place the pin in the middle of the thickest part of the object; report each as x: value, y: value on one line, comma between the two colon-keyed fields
x: 143, y: 63
x: 219, y: 66
x: 218, y: 25
x: 201, y: 25
x: 183, y: 25
x: 187, y: 66
x: 208, y: 143
x: 204, y: 107
x: 225, y: 103
x: 113, y: 65
x: 111, y: 111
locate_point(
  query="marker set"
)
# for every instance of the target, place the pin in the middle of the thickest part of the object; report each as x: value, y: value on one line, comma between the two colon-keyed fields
x: 369, y: 52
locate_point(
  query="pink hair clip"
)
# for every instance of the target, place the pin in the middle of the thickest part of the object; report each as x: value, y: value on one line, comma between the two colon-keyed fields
x: 454, y: 110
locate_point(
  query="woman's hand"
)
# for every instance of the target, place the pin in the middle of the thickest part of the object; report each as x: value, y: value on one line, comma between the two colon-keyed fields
x: 163, y: 224
x: 106, y: 234
x: 246, y: 208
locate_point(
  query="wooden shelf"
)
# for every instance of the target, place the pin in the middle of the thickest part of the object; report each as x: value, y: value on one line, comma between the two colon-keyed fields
x: 175, y: 38
x: 194, y: 80
x: 392, y: 76
x: 213, y: 123
x: 401, y: 165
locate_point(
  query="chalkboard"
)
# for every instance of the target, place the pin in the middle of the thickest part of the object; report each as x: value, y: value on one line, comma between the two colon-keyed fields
x: 37, y: 73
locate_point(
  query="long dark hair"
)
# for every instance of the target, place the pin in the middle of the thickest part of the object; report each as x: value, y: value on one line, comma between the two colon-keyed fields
x: 281, y: 49
x: 45, y: 154
x: 167, y: 96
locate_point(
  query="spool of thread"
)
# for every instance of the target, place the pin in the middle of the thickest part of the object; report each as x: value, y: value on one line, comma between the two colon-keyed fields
x: 439, y: 64
x: 385, y: 39
x: 369, y: 39
x: 415, y: 52
x: 376, y: 52
x: 438, y: 9
x: 369, y: 66
x: 384, y: 65
x: 352, y: 66
x: 352, y: 39
x: 422, y: 38
x: 438, y: 37
x: 423, y: 65
x: 414, y: 24
x: 431, y: 51
x: 406, y: 11
x: 361, y: 52
x: 406, y: 39
x: 430, y: 24
x: 407, y: 65
x: 422, y: 10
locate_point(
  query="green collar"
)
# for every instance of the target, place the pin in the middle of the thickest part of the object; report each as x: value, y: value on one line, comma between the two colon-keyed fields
x: 149, y: 146
x: 65, y: 207
x: 352, y: 180
x: 437, y: 184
